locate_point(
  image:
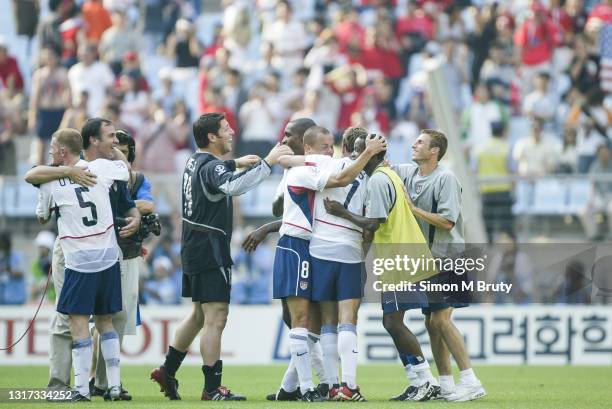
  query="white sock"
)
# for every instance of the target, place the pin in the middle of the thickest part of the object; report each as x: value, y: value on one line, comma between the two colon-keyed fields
x: 329, y: 345
x: 316, y: 357
x: 424, y: 373
x: 347, y: 349
x: 411, y: 375
x: 82, y: 354
x: 468, y: 376
x: 109, y: 343
x: 290, y: 380
x: 298, y: 343
x: 447, y: 383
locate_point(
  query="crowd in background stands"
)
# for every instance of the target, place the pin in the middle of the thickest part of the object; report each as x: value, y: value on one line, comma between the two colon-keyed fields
x: 152, y: 66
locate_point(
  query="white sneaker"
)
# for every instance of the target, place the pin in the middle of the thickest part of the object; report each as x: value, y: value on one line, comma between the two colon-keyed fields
x: 445, y: 394
x: 465, y: 392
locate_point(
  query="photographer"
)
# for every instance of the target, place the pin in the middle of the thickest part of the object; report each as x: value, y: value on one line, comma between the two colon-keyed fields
x: 139, y: 190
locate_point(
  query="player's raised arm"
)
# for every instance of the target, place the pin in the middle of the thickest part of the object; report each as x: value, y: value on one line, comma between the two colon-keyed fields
x: 291, y: 161
x: 221, y: 176
x: 43, y: 174
x: 374, y: 145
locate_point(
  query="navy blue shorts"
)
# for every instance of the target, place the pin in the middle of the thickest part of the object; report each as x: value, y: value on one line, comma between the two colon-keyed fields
x: 441, y: 300
x: 91, y: 293
x: 393, y: 301
x: 336, y: 281
x: 291, y: 277
x: 48, y: 122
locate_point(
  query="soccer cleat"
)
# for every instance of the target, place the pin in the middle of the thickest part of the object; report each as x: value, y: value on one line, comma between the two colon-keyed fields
x: 77, y: 397
x: 347, y: 394
x: 333, y: 392
x: 312, y: 396
x: 221, y: 393
x: 427, y: 391
x: 94, y: 390
x: 444, y: 394
x: 125, y: 395
x: 408, y: 394
x: 323, y: 389
x: 113, y: 394
x: 465, y: 392
x: 283, y: 395
x: 167, y: 384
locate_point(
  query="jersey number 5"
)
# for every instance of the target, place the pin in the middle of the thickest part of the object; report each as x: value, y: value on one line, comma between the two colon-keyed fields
x: 94, y: 212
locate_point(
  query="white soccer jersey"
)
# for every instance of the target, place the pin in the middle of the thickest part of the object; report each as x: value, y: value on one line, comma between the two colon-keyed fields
x: 301, y: 182
x: 86, y: 221
x: 335, y: 238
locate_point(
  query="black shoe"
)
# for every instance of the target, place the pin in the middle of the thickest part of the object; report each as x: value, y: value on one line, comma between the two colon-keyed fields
x: 312, y: 396
x: 124, y: 395
x: 77, y: 397
x: 284, y: 395
x: 167, y: 384
x: 323, y: 389
x: 221, y: 393
x: 407, y: 394
x: 94, y: 390
x: 427, y: 391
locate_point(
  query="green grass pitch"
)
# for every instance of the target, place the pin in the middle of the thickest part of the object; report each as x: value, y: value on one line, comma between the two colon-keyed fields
x: 507, y: 387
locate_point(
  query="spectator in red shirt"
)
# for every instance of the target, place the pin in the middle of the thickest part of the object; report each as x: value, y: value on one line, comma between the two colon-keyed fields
x: 415, y: 21
x: 9, y: 70
x: 535, y: 41
x: 348, y: 29
x: 97, y: 20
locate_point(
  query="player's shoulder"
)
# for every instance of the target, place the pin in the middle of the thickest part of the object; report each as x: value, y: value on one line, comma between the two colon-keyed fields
x: 379, y: 179
x: 405, y: 170
x: 446, y: 175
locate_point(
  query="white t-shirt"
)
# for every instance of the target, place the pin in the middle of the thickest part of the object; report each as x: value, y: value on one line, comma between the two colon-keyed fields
x: 301, y: 182
x: 94, y: 79
x: 85, y: 224
x: 334, y: 238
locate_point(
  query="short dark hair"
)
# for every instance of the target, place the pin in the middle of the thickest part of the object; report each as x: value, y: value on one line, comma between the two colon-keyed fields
x: 205, y: 124
x: 437, y: 140
x: 351, y: 135
x: 125, y: 138
x: 301, y: 125
x: 310, y: 136
x: 92, y: 129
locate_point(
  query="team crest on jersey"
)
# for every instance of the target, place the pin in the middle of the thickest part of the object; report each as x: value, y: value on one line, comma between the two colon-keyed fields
x: 220, y: 169
x: 418, y: 187
x: 303, y: 285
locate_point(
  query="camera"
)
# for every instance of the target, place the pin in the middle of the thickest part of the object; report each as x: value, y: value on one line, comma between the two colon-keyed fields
x: 149, y: 223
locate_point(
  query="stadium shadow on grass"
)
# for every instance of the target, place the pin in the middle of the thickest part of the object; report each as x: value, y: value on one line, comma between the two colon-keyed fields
x: 507, y: 387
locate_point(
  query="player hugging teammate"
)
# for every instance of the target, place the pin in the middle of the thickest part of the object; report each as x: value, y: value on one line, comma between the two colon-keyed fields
x: 425, y: 202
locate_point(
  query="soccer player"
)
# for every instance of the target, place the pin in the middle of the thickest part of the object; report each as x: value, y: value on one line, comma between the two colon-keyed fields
x: 208, y: 186
x: 99, y: 142
x: 294, y: 138
x: 435, y: 199
x: 139, y: 190
x: 386, y: 210
x: 336, y: 251
x: 292, y: 261
x: 92, y: 283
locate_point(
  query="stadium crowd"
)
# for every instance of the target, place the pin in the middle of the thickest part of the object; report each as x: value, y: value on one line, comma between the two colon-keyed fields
x: 527, y: 82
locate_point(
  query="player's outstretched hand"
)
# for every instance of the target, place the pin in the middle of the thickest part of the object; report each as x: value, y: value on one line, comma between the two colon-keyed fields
x: 334, y: 208
x: 376, y: 144
x: 132, y: 226
x: 253, y: 240
x: 81, y: 176
x: 276, y: 152
x: 247, y: 161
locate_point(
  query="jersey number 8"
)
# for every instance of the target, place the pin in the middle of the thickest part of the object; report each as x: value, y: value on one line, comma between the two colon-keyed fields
x: 305, y: 269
